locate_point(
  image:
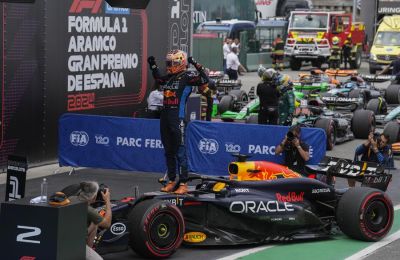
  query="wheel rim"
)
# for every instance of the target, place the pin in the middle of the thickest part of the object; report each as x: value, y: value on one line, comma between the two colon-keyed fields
x: 163, y: 230
x: 376, y: 216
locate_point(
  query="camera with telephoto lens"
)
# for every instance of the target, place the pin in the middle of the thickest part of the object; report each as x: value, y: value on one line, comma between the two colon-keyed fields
x: 290, y: 136
x: 377, y: 137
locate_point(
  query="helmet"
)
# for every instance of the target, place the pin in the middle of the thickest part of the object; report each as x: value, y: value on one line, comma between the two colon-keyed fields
x: 335, y: 40
x: 261, y: 70
x: 269, y: 75
x: 176, y: 61
x: 284, y: 80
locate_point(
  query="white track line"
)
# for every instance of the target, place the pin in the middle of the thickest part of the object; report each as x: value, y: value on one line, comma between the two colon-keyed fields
x: 372, y: 248
x: 245, y: 253
x: 361, y: 254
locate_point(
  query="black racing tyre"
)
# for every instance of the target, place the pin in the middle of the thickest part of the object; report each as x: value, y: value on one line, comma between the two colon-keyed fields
x: 392, y: 94
x: 362, y: 123
x: 392, y: 129
x: 156, y: 228
x: 377, y: 105
x: 225, y: 104
x: 372, y: 70
x: 241, y: 98
x: 252, y: 119
x: 357, y: 93
x: 328, y: 125
x: 295, y: 64
x: 365, y: 214
x: 356, y: 64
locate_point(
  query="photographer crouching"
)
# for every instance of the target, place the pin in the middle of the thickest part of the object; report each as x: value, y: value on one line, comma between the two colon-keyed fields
x: 376, y: 149
x: 295, y: 152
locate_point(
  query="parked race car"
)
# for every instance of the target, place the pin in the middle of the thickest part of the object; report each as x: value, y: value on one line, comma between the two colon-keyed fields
x: 339, y: 127
x: 260, y: 202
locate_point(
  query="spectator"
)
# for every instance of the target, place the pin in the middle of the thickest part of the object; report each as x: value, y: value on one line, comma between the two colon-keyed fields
x: 376, y: 149
x: 295, y: 151
x: 226, y: 50
x: 88, y: 193
x: 155, y: 102
x: 233, y: 64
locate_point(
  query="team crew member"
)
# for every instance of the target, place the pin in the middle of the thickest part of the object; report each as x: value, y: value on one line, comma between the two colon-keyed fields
x: 286, y: 101
x: 268, y: 94
x: 233, y: 64
x: 395, y: 65
x: 334, y: 59
x: 295, y: 152
x: 177, y: 87
x: 277, y: 53
x: 347, y: 47
x: 155, y: 102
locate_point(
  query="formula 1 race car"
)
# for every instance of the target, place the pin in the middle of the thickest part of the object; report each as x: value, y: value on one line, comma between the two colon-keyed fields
x: 260, y: 202
x: 339, y: 127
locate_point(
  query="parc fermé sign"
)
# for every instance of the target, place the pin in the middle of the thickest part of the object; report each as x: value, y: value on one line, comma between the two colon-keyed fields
x: 135, y: 144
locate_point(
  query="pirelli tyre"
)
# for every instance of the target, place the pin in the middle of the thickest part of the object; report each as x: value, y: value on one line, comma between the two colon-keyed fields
x: 225, y: 104
x: 240, y: 99
x: 377, y: 105
x: 328, y: 125
x: 392, y: 94
x: 392, y: 129
x: 156, y: 228
x: 362, y: 123
x: 252, y: 119
x: 365, y: 214
x: 356, y: 62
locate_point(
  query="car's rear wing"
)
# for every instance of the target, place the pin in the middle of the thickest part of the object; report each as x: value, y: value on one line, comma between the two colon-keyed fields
x: 377, y: 78
x: 340, y: 73
x: 340, y: 101
x: 369, y: 173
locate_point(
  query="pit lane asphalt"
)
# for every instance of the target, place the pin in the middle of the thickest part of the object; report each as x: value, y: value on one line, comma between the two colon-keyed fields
x: 122, y: 184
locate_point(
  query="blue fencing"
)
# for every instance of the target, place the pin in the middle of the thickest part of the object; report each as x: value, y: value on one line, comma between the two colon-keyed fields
x: 211, y: 144
x: 135, y: 144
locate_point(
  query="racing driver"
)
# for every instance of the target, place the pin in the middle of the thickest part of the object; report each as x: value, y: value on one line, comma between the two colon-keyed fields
x: 178, y: 85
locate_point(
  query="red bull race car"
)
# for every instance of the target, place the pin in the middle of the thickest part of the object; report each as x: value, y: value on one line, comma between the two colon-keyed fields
x: 260, y: 202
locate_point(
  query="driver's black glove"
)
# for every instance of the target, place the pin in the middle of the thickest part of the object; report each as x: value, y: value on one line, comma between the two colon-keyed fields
x: 152, y: 62
x: 198, y: 66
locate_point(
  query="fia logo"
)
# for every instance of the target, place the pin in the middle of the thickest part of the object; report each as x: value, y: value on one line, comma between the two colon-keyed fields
x: 208, y: 146
x: 13, y: 195
x: 79, y: 138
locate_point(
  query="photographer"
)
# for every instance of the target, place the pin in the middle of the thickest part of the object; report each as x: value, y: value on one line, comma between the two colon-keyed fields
x: 88, y: 193
x: 295, y: 152
x: 376, y: 149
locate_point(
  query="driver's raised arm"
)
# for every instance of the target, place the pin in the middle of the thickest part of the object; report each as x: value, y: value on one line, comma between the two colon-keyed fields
x: 106, y: 222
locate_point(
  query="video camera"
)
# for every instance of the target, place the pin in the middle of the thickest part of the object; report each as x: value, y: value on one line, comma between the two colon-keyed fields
x: 377, y: 137
x: 290, y: 136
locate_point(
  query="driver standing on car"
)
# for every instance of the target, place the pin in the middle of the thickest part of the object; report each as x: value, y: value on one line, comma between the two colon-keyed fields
x: 376, y: 149
x: 178, y: 85
x: 88, y: 193
x: 268, y: 93
x: 295, y: 152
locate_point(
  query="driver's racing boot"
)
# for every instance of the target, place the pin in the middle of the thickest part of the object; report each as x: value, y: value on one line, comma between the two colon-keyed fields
x: 183, y: 189
x: 169, y: 187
